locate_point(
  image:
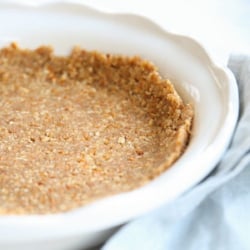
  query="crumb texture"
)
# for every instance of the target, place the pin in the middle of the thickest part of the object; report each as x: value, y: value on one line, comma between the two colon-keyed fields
x: 77, y: 128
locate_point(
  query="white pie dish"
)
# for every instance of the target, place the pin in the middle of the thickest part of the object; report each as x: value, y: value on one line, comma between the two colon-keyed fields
x: 211, y: 89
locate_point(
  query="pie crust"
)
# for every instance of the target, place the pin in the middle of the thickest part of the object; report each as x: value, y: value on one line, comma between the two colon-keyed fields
x: 85, y: 126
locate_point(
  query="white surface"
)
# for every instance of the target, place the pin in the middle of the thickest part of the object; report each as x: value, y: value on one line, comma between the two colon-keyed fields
x: 221, y: 26
x: 211, y: 89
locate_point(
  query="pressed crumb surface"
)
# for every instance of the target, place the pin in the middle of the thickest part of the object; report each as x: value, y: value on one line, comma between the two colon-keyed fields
x: 77, y: 128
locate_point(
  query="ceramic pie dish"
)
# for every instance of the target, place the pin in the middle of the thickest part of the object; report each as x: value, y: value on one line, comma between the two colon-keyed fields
x: 211, y: 90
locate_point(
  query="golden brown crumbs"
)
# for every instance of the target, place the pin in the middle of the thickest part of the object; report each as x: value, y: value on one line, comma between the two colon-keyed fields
x: 77, y: 128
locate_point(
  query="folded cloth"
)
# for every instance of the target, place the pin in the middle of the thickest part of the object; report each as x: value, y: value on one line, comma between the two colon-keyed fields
x: 215, y: 214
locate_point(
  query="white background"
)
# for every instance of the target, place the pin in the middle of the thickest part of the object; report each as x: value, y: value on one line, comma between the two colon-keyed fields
x: 222, y: 26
